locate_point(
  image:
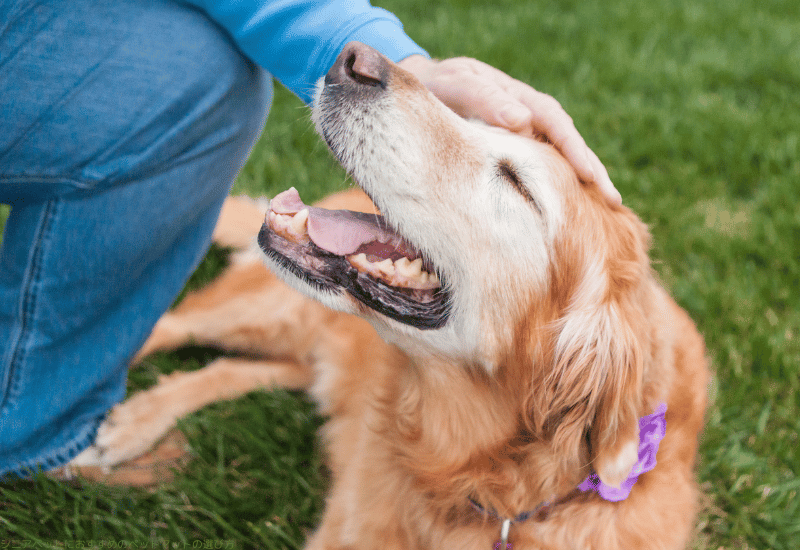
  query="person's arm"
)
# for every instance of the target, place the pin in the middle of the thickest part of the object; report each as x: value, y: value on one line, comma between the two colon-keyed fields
x: 297, y: 41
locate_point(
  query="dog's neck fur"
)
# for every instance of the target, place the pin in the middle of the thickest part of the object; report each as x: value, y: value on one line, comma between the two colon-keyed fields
x: 510, y: 447
x: 482, y: 449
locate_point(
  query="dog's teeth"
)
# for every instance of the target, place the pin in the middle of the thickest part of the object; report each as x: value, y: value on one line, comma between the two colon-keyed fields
x: 401, y: 265
x: 409, y: 269
x: 281, y: 221
x: 386, y: 267
x: 298, y: 222
x: 403, y: 273
x: 359, y: 260
x: 292, y: 227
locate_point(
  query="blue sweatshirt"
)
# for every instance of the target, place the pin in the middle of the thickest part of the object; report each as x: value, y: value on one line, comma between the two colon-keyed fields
x: 297, y: 41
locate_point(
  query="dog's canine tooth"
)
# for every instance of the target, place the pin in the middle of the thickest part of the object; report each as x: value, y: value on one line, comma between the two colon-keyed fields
x: 359, y: 261
x: 298, y: 222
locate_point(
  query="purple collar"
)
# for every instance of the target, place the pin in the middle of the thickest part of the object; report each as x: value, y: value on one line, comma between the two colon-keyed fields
x: 652, y: 429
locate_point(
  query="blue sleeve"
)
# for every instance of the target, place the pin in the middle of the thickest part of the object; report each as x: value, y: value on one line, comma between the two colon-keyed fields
x: 298, y: 40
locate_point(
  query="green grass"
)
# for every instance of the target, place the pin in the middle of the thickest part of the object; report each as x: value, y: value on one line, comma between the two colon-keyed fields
x: 694, y: 106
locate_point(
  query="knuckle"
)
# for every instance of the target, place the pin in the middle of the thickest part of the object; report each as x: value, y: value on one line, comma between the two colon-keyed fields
x: 459, y: 66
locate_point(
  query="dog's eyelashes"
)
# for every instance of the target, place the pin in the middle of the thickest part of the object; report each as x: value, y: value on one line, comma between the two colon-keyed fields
x: 510, y: 174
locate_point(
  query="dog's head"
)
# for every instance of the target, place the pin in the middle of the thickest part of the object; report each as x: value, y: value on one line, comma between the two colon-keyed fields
x: 489, y: 253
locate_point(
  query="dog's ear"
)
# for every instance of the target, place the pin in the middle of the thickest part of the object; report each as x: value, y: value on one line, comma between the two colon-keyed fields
x: 596, y: 377
x: 597, y: 380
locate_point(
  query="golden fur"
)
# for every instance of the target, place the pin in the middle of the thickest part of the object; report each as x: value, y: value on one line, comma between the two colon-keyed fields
x: 413, y: 434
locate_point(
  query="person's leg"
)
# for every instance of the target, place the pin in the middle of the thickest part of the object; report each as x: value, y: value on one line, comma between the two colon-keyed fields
x: 123, y: 125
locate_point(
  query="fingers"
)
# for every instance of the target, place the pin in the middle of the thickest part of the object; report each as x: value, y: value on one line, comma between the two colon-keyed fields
x: 518, y: 107
x: 603, y: 181
x: 550, y: 119
x: 476, y: 90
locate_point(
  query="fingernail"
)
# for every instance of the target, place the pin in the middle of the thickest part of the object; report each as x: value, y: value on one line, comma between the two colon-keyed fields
x: 616, y: 196
x: 514, y: 115
x: 611, y: 192
x: 590, y: 166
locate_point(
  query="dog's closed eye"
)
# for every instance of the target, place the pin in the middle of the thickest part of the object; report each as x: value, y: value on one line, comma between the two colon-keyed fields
x: 507, y: 172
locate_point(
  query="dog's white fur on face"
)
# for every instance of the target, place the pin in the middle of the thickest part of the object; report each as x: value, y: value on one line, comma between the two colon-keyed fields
x: 443, y: 182
x: 526, y: 370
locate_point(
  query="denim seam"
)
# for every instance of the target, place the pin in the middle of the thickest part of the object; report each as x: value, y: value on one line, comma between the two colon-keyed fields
x: 27, y: 307
x: 28, y: 303
x: 38, y: 178
x: 55, y: 459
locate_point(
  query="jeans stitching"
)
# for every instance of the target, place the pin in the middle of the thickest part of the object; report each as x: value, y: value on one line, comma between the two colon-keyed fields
x: 27, y: 304
x: 52, y: 460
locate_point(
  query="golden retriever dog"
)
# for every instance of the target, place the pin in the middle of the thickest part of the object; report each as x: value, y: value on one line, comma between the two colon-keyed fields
x: 496, y: 359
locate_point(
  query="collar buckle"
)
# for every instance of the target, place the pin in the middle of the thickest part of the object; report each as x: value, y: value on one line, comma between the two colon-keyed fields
x: 503, y: 544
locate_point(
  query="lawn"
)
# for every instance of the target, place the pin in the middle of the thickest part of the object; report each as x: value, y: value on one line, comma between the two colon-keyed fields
x: 694, y: 106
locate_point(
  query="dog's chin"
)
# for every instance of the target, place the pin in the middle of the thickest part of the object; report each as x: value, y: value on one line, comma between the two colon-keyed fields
x: 354, y: 254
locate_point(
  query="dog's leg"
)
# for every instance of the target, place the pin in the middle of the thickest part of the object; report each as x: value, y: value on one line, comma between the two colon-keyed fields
x: 245, y: 310
x: 133, y: 426
x: 207, y: 315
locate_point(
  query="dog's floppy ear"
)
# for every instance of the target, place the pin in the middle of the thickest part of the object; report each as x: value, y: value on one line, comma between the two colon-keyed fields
x: 596, y: 379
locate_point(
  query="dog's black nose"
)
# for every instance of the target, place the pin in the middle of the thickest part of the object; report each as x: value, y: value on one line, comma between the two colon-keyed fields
x: 360, y: 65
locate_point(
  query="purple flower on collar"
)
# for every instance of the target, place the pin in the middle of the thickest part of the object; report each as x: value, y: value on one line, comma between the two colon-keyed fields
x: 652, y: 429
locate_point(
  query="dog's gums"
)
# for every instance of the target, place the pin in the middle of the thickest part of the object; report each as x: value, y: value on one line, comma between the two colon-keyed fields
x: 357, y: 252
x: 387, y: 257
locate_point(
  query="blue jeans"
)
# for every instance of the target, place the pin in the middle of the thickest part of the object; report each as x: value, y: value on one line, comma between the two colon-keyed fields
x: 123, y: 124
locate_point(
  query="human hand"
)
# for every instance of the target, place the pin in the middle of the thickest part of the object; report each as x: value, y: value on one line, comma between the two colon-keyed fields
x: 474, y: 89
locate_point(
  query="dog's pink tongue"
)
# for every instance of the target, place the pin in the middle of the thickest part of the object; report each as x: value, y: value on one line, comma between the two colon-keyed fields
x: 339, y: 232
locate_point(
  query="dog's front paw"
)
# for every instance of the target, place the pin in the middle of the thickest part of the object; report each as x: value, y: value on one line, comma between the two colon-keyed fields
x: 130, y: 430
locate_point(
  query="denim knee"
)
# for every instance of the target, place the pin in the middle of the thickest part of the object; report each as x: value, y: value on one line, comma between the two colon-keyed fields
x: 123, y: 128
x: 96, y: 94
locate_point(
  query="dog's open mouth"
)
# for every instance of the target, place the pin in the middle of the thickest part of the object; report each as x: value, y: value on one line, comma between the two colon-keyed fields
x: 358, y: 252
